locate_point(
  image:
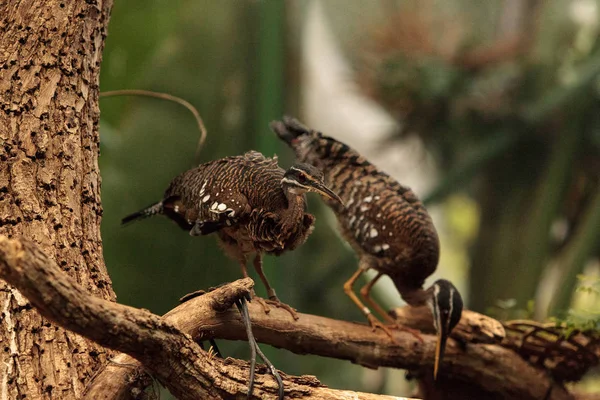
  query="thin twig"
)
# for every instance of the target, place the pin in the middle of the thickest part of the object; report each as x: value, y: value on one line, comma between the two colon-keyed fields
x: 168, y: 97
x: 567, y: 358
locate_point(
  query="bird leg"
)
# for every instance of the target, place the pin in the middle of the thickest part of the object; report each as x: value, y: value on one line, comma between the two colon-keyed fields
x: 260, y: 301
x: 373, y: 321
x: 365, y: 293
x: 273, y: 299
x: 243, y: 309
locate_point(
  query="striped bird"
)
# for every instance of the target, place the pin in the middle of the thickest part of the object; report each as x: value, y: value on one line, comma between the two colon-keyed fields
x: 386, y: 225
x: 253, y: 205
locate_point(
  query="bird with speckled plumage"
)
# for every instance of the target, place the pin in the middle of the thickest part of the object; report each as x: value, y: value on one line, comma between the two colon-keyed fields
x: 387, y: 226
x: 253, y: 206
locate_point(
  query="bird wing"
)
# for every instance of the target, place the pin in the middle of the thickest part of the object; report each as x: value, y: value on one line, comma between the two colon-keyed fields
x: 263, y: 230
x: 222, y: 193
x: 206, y: 198
x: 376, y: 217
x: 221, y: 210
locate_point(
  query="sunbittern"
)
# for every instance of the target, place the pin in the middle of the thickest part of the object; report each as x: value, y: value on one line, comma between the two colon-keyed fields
x: 252, y: 204
x: 385, y: 223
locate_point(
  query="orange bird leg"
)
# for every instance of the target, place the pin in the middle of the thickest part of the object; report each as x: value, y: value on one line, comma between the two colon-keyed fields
x: 260, y: 301
x: 365, y: 293
x: 273, y: 299
x: 373, y: 321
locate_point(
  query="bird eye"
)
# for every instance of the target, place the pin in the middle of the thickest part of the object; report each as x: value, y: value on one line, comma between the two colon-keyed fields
x: 301, y: 178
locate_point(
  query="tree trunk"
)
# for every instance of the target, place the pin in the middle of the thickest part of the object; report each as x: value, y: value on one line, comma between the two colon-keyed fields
x: 50, y: 53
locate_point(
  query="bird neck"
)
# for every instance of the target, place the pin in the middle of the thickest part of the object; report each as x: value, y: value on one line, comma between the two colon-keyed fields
x: 413, y: 295
x: 295, y: 209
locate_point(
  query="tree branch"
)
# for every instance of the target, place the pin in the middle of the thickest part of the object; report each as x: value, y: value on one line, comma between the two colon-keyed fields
x: 491, y: 368
x: 165, y: 352
x: 172, y: 357
x: 472, y: 328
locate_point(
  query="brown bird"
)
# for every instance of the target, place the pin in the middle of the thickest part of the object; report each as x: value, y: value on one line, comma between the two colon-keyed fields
x: 253, y: 205
x: 386, y: 225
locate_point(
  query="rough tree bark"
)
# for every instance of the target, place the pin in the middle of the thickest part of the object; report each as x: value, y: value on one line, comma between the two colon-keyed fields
x: 50, y: 53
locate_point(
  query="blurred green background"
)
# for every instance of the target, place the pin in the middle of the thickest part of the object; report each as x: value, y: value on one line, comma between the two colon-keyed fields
x: 490, y: 110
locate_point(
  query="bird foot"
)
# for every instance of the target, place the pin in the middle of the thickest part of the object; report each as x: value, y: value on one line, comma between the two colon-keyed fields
x: 275, y: 302
x: 262, y: 302
x: 376, y: 324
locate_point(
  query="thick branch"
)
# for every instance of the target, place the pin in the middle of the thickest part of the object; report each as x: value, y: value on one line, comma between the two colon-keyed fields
x: 490, y: 368
x: 167, y: 353
x: 472, y: 328
x: 170, y: 355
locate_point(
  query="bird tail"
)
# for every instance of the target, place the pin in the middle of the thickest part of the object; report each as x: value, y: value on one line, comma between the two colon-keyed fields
x: 289, y: 129
x: 154, y: 209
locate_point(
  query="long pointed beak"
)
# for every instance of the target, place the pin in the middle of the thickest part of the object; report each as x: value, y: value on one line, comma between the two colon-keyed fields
x: 440, y: 347
x: 325, y: 191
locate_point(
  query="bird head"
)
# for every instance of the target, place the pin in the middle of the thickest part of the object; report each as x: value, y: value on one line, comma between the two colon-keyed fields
x: 302, y: 178
x: 446, y: 306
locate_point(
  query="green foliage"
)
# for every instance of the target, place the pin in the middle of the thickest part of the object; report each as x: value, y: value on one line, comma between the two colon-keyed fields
x: 587, y: 322
x: 572, y: 321
x: 582, y: 319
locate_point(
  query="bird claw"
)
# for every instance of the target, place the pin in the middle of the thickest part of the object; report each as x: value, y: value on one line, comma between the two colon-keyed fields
x: 262, y: 302
x: 376, y: 324
x: 275, y: 302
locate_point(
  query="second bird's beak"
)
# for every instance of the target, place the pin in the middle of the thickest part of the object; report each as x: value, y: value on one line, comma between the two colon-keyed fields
x: 440, y: 347
x: 325, y: 191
